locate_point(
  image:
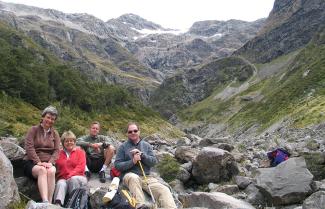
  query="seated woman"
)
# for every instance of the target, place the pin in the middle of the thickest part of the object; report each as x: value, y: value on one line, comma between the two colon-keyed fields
x: 71, y: 168
x: 42, y: 147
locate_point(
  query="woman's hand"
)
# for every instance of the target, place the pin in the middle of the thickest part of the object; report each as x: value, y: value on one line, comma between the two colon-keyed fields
x: 45, y: 164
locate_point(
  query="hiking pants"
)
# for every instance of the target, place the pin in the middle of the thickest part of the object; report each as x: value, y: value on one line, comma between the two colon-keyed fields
x: 161, y: 193
x: 63, y: 186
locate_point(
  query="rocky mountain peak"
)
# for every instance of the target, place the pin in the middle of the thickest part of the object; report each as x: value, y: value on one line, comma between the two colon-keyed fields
x: 137, y: 22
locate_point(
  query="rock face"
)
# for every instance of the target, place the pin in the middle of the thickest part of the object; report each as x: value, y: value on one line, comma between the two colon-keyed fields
x: 214, y: 165
x: 214, y: 200
x: 8, y: 187
x: 182, y: 90
x: 288, y: 183
x: 283, y: 31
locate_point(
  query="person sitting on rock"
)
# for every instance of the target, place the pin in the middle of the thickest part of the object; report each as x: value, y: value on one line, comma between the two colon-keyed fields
x: 99, y: 151
x: 71, y: 168
x: 42, y: 144
x: 133, y: 156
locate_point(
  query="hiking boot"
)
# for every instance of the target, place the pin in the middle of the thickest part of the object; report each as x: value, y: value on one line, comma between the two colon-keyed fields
x: 88, y: 175
x: 102, y: 176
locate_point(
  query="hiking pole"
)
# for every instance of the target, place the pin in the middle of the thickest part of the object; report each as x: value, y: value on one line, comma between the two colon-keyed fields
x: 145, y: 180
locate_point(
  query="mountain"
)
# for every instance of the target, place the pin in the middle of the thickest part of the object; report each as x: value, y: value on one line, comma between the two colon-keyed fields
x: 32, y: 77
x: 284, y: 90
x: 203, y: 42
x: 290, y: 26
x: 84, y: 41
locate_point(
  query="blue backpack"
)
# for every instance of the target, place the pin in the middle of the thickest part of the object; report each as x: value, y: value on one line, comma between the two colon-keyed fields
x: 277, y: 156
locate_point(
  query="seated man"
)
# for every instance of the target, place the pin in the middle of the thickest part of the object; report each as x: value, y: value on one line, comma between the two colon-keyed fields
x: 99, y: 151
x: 132, y: 154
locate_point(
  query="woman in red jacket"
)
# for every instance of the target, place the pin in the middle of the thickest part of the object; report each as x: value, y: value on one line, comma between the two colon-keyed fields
x: 70, y: 168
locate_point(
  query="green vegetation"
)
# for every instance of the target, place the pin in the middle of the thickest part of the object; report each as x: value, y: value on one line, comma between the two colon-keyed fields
x: 180, y: 91
x: 168, y: 168
x: 315, y: 164
x: 295, y: 91
x: 32, y: 78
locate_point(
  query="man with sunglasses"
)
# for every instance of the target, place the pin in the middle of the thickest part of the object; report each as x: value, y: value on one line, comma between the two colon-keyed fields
x: 134, y: 155
x: 99, y: 151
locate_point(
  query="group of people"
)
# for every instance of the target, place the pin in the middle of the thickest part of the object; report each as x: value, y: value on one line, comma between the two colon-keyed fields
x: 59, y: 170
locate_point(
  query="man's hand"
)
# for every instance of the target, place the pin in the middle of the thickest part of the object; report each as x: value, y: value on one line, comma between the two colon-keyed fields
x: 136, y: 155
x: 96, y: 147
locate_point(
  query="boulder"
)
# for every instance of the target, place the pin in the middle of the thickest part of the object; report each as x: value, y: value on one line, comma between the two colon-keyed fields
x: 15, y: 154
x: 242, y: 181
x: 254, y: 196
x: 315, y: 201
x: 185, y: 154
x: 183, y: 175
x: 228, y: 189
x: 8, y: 187
x: 214, y: 200
x: 288, y: 183
x: 12, y: 150
x: 214, y: 165
x: 34, y: 205
x: 28, y: 187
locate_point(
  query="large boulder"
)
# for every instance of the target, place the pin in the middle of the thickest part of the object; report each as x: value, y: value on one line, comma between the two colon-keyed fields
x: 8, y: 187
x: 12, y: 150
x: 28, y: 187
x: 315, y: 201
x: 214, y: 165
x: 15, y: 154
x: 288, y: 183
x: 186, y: 154
x: 214, y: 200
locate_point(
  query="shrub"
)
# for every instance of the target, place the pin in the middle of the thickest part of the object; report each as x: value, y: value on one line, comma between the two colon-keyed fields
x: 168, y: 168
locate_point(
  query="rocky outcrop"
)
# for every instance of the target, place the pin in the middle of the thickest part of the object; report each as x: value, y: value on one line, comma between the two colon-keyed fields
x: 182, y: 90
x: 288, y: 183
x: 282, y: 34
x: 8, y: 187
x: 214, y: 165
x: 214, y: 200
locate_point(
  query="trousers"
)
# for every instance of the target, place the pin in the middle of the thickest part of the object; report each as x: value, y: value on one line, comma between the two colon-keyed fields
x: 161, y: 193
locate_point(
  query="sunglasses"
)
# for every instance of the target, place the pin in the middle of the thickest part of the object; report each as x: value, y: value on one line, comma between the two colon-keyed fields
x: 133, y: 131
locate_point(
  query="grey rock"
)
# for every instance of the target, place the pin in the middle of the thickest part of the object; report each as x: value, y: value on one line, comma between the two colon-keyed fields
x: 12, y: 150
x: 34, y: 205
x: 187, y: 166
x: 214, y: 165
x: 228, y: 189
x: 254, y: 196
x: 214, y: 200
x: 28, y: 187
x: 183, y: 175
x: 278, y: 185
x: 186, y: 154
x: 315, y: 201
x: 242, y: 181
x: 8, y: 187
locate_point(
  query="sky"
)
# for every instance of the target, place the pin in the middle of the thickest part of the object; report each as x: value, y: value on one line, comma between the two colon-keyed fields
x: 176, y: 14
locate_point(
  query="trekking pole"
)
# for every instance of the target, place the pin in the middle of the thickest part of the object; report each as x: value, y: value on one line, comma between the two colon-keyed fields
x: 145, y: 180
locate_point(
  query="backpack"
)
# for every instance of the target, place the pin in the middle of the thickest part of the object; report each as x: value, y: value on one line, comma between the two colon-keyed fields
x: 119, y: 201
x: 277, y: 156
x: 78, y: 199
